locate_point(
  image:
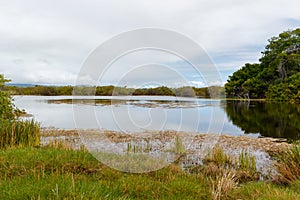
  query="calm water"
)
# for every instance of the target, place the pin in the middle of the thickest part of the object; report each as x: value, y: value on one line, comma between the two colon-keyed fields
x: 137, y: 113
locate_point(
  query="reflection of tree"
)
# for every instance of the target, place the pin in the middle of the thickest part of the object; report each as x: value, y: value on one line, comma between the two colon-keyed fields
x: 268, y: 119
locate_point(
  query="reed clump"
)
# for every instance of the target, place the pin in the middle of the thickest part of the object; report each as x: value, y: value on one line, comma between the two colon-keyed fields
x: 288, y: 165
x: 223, y: 184
x: 217, y: 163
x: 18, y: 133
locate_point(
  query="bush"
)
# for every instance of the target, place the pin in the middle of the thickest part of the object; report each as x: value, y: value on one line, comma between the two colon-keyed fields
x: 15, y: 132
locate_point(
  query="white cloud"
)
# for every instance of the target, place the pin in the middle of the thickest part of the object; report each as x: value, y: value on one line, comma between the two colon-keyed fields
x: 47, y: 41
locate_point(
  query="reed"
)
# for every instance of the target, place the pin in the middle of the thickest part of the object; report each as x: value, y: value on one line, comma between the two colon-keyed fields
x: 246, y: 161
x: 288, y: 165
x: 218, y: 157
x: 223, y: 185
x: 179, y: 147
x: 18, y: 133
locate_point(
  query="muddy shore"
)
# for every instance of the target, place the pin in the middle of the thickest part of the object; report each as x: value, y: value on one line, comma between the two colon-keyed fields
x: 72, y: 138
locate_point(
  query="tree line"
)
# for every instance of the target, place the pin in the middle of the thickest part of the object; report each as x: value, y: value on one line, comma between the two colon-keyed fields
x: 187, y: 91
x: 276, y: 76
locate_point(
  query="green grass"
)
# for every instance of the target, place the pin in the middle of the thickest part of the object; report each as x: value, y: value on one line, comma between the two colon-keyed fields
x: 19, y: 133
x: 218, y: 157
x: 58, y: 173
x: 264, y: 190
x: 48, y: 173
x: 246, y: 161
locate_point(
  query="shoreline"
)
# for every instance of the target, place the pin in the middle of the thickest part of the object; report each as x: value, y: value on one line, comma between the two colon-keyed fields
x: 72, y: 136
x: 191, y: 149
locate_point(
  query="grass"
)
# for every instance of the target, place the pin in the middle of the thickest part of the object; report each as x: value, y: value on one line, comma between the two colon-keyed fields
x: 179, y: 147
x: 288, y: 165
x: 58, y: 172
x: 49, y: 173
x: 246, y: 161
x: 223, y: 185
x: 260, y: 190
x: 19, y: 133
x: 219, y: 158
x: 217, y: 163
x: 131, y: 162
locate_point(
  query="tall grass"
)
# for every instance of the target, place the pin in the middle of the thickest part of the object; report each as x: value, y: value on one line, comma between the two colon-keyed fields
x: 217, y: 163
x: 219, y: 158
x: 223, y: 185
x: 288, y: 164
x: 246, y: 161
x: 18, y: 133
x: 179, y: 147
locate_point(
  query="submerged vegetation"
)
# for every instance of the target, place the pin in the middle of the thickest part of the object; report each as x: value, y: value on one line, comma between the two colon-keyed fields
x: 276, y: 76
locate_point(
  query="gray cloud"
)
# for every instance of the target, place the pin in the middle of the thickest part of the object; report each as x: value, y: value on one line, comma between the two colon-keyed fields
x: 47, y: 41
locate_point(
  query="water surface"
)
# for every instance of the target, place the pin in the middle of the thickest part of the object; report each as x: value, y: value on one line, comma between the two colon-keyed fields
x: 138, y: 113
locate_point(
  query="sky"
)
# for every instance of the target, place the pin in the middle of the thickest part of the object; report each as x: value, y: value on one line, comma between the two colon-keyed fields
x: 48, y: 42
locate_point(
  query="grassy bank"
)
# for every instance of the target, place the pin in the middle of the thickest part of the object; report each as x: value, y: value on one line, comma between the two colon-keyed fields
x: 60, y: 173
x: 33, y: 173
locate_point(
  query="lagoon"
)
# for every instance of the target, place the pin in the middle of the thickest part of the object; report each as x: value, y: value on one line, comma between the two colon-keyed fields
x: 131, y: 114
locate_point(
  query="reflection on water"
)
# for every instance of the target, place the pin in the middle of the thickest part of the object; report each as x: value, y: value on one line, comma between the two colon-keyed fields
x: 129, y: 114
x: 270, y: 119
x: 140, y: 103
x: 138, y: 113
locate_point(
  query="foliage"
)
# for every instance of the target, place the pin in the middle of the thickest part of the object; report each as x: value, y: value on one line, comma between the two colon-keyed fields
x: 15, y: 132
x: 154, y: 91
x: 6, y: 106
x: 275, y: 77
x: 186, y: 91
x: 289, y: 90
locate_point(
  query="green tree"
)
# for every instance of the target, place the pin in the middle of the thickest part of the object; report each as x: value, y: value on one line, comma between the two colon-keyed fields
x: 270, y: 78
x: 6, y: 105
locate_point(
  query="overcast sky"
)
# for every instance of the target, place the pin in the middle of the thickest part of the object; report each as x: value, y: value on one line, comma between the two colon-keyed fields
x: 46, y: 42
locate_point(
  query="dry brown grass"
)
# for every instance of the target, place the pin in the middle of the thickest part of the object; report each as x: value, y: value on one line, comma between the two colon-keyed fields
x: 223, y: 185
x: 288, y: 165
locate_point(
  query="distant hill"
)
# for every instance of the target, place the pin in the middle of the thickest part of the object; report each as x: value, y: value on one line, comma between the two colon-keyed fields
x: 20, y: 84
